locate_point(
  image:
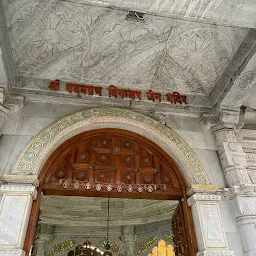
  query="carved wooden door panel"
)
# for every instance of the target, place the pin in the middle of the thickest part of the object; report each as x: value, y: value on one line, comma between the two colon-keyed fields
x: 180, y: 234
x: 112, y: 161
x: 116, y: 163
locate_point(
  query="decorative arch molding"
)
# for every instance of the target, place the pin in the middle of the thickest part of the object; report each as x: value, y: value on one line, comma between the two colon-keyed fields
x: 45, y: 142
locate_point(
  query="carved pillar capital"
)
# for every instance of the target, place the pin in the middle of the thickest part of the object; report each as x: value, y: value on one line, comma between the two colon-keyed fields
x: 222, y: 117
x: 232, y: 157
x: 14, y: 102
x: 203, y: 198
x: 244, y: 206
x: 8, y: 104
x: 19, y: 189
x: 199, y: 193
x: 20, y: 179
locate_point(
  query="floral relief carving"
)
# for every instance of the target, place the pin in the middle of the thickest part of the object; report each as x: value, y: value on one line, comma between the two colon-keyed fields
x: 232, y: 157
x: 109, y: 49
x: 230, y: 136
x: 237, y: 175
x: 244, y: 206
x: 246, y: 133
x: 200, y: 63
x: 248, y: 144
x: 252, y: 175
x: 232, y: 146
x: 251, y: 156
x: 248, y: 206
x: 238, y: 160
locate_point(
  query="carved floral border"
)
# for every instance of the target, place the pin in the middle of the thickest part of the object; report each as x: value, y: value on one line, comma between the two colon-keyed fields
x: 38, y: 149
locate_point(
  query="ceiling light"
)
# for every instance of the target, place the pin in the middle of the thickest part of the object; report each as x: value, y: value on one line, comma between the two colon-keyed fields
x: 134, y: 15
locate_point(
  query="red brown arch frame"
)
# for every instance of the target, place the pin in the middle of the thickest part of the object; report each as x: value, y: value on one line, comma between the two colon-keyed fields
x: 90, y: 142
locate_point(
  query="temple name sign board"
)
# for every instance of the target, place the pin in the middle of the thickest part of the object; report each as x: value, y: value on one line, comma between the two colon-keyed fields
x: 113, y: 91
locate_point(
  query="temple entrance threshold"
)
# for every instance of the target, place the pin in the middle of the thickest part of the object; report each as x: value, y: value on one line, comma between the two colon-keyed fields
x: 116, y: 163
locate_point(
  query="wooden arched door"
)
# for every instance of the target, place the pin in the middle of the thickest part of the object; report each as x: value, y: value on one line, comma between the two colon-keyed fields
x: 118, y: 163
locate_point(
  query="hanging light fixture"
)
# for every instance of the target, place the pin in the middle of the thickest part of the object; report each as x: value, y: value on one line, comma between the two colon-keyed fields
x: 107, y: 246
x: 162, y: 249
x: 86, y: 249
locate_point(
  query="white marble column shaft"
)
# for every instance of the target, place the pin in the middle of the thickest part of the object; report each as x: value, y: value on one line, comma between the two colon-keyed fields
x: 211, y: 238
x: 15, y: 211
x: 245, y: 212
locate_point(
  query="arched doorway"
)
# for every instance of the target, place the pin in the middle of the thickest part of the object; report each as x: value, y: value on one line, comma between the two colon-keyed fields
x: 117, y: 163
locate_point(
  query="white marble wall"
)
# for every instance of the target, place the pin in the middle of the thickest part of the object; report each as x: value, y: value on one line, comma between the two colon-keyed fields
x: 230, y: 227
x: 20, y: 127
x: 15, y: 212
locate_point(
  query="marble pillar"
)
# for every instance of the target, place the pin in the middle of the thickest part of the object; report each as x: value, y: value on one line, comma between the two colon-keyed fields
x: 129, y: 239
x: 211, y: 238
x: 241, y: 191
x: 232, y: 157
x: 245, y: 212
x: 15, y: 208
x: 224, y: 125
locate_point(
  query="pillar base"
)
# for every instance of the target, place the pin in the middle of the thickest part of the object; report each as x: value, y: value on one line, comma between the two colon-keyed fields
x: 216, y: 253
x: 11, y: 252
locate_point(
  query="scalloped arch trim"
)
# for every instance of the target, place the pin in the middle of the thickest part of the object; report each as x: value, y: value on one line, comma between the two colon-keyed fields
x: 45, y: 142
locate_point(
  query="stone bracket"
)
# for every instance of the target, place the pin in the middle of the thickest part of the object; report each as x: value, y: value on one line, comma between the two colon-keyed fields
x: 221, y: 117
x: 10, y: 102
x: 20, y: 179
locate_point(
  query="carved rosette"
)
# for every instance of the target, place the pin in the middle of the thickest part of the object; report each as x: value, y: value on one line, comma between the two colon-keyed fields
x: 236, y: 175
x: 122, y: 161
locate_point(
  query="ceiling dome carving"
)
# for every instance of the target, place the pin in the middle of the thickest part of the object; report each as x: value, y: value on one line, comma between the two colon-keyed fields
x: 92, y: 44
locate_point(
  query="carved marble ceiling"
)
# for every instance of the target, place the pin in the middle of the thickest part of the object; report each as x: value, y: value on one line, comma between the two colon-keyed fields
x: 92, y: 212
x: 230, y: 12
x: 132, y: 222
x: 85, y: 43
